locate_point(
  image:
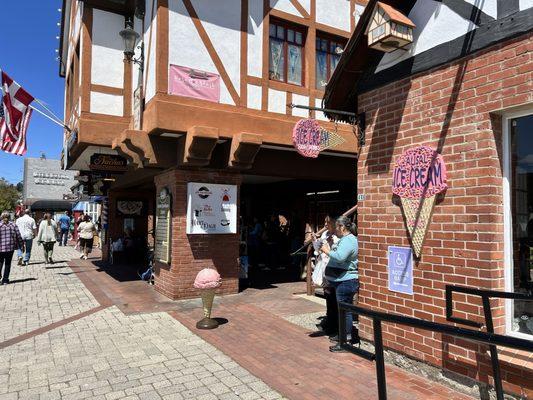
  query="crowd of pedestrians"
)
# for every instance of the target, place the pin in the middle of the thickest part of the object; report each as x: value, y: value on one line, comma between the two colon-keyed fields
x: 19, y: 236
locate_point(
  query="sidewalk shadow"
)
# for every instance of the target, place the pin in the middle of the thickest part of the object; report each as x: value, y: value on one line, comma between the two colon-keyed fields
x: 56, y: 267
x: 22, y: 280
x: 221, y: 321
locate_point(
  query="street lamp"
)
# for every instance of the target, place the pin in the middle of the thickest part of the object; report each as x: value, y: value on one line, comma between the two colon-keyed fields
x: 130, y: 38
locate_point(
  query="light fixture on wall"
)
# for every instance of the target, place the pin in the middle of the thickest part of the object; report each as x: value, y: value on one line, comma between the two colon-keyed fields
x: 131, y: 38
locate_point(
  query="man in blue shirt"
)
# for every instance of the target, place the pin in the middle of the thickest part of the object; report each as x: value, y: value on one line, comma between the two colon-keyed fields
x: 64, y: 228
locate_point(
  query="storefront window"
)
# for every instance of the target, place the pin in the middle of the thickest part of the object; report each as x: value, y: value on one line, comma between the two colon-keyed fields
x: 327, y: 59
x: 286, y: 53
x: 521, y: 188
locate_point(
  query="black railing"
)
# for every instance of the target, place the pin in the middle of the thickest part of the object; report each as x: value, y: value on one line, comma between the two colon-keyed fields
x: 485, y: 295
x: 378, y: 317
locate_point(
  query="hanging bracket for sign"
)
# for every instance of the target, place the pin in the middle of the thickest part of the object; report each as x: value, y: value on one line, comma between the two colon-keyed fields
x: 356, y: 120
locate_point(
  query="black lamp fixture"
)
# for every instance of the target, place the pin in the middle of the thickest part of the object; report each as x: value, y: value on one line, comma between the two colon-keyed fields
x: 131, y: 38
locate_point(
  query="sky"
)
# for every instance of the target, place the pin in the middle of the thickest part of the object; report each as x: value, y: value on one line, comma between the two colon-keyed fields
x: 27, y: 54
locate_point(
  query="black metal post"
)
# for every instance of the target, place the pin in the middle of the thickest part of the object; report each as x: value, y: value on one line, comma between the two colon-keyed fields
x: 496, y: 373
x: 380, y: 360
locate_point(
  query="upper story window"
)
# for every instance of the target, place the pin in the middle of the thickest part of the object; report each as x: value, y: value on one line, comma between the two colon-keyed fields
x: 286, y: 53
x: 327, y: 58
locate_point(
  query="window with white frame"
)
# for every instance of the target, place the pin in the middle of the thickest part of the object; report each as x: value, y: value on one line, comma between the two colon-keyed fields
x: 518, y: 185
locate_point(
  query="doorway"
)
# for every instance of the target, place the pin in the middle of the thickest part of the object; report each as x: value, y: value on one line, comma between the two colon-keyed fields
x: 275, y: 214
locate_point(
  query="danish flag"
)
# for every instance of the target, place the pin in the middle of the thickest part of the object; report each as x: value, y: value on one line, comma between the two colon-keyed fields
x: 15, y: 115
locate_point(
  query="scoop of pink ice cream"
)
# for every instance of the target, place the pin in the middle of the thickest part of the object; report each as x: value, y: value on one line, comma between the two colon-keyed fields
x: 207, y: 278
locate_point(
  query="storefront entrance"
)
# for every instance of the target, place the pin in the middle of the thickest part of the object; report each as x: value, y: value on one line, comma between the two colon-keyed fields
x: 518, y: 139
x: 275, y: 214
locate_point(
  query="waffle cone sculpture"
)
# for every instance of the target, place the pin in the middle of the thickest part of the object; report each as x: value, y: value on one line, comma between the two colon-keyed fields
x: 207, y: 281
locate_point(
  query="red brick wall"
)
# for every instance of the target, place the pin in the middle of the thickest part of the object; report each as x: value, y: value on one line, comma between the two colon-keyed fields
x: 451, y: 109
x: 191, y: 253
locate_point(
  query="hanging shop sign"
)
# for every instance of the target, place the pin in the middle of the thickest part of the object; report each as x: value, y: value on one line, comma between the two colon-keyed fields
x: 163, y: 226
x: 400, y: 269
x: 108, y: 163
x: 419, y: 176
x: 309, y: 138
x: 131, y: 208
x: 211, y: 208
x: 188, y: 82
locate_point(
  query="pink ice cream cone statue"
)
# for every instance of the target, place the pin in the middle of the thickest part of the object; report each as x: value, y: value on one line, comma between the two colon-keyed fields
x: 207, y: 280
x: 419, y: 176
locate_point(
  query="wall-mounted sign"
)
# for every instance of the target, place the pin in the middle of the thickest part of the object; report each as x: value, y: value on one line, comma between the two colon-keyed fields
x: 163, y: 227
x: 309, y: 138
x: 130, y: 208
x: 137, y: 108
x: 185, y: 81
x: 419, y: 176
x: 211, y: 208
x: 400, y: 268
x: 108, y: 163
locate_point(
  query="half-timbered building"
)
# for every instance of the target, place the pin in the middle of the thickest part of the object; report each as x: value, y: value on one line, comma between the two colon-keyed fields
x: 202, y: 97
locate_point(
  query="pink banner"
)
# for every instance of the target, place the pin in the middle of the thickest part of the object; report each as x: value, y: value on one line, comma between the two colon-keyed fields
x: 189, y: 82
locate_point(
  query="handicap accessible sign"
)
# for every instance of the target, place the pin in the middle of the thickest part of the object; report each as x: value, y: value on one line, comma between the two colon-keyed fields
x: 400, y: 269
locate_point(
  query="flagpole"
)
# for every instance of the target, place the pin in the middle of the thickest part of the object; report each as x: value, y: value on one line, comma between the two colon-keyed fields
x: 47, y: 109
x: 50, y: 118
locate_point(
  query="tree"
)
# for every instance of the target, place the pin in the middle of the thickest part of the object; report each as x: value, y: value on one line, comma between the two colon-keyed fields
x: 9, y: 196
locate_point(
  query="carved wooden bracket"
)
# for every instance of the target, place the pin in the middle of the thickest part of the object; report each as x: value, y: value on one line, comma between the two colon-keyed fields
x: 199, y: 144
x: 244, y: 148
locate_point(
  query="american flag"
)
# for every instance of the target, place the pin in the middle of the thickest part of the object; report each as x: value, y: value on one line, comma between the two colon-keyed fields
x: 15, y: 115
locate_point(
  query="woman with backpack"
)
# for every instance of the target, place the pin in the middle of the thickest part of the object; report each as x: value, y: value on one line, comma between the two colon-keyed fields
x: 47, y: 236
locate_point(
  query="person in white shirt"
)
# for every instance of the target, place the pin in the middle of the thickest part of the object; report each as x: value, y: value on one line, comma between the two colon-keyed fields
x: 47, y: 236
x: 27, y: 228
x: 87, y: 231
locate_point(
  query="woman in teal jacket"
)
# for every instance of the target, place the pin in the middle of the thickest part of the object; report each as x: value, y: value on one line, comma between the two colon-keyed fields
x: 341, y: 271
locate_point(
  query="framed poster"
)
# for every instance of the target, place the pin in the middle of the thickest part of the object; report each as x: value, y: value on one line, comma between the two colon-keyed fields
x: 163, y: 227
x: 400, y: 269
x: 211, y: 208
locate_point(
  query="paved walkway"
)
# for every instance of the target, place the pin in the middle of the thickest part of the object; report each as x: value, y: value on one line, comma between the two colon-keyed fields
x: 78, y: 331
x: 62, y: 344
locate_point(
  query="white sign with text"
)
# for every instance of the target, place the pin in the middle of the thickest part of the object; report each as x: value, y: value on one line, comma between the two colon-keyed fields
x: 211, y: 208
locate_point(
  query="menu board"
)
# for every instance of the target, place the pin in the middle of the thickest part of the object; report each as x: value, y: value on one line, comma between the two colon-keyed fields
x: 211, y: 208
x: 162, y: 227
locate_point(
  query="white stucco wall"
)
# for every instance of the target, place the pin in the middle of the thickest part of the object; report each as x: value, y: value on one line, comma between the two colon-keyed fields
x: 286, y: 6
x: 277, y: 101
x: 301, y: 101
x: 435, y: 24
x: 254, y: 96
x: 319, y: 114
x: 195, y: 54
x: 107, y: 64
x: 334, y: 13
x: 255, y: 38
x: 489, y: 7
x: 110, y: 104
x: 150, y: 48
x: 306, y: 4
x: 222, y: 22
x: 525, y: 4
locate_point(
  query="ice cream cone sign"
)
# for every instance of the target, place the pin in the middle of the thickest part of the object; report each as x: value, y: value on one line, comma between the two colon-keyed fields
x: 207, y: 280
x: 419, y: 176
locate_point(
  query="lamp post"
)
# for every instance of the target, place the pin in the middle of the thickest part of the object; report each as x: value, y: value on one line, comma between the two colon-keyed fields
x: 131, y: 38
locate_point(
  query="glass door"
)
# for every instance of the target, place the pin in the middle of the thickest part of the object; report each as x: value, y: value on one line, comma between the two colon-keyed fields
x: 519, y: 275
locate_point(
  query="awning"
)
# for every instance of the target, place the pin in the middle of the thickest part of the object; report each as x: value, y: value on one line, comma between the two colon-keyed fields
x: 80, y: 206
x: 50, y: 205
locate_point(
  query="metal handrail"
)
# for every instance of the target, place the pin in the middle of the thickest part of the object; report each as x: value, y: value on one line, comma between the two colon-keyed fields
x: 485, y: 295
x: 491, y: 339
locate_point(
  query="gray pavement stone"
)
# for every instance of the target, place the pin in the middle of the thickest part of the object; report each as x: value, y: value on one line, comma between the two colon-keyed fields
x: 106, y: 355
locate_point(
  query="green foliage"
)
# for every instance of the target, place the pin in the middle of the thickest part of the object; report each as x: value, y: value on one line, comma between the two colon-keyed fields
x: 9, y: 196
